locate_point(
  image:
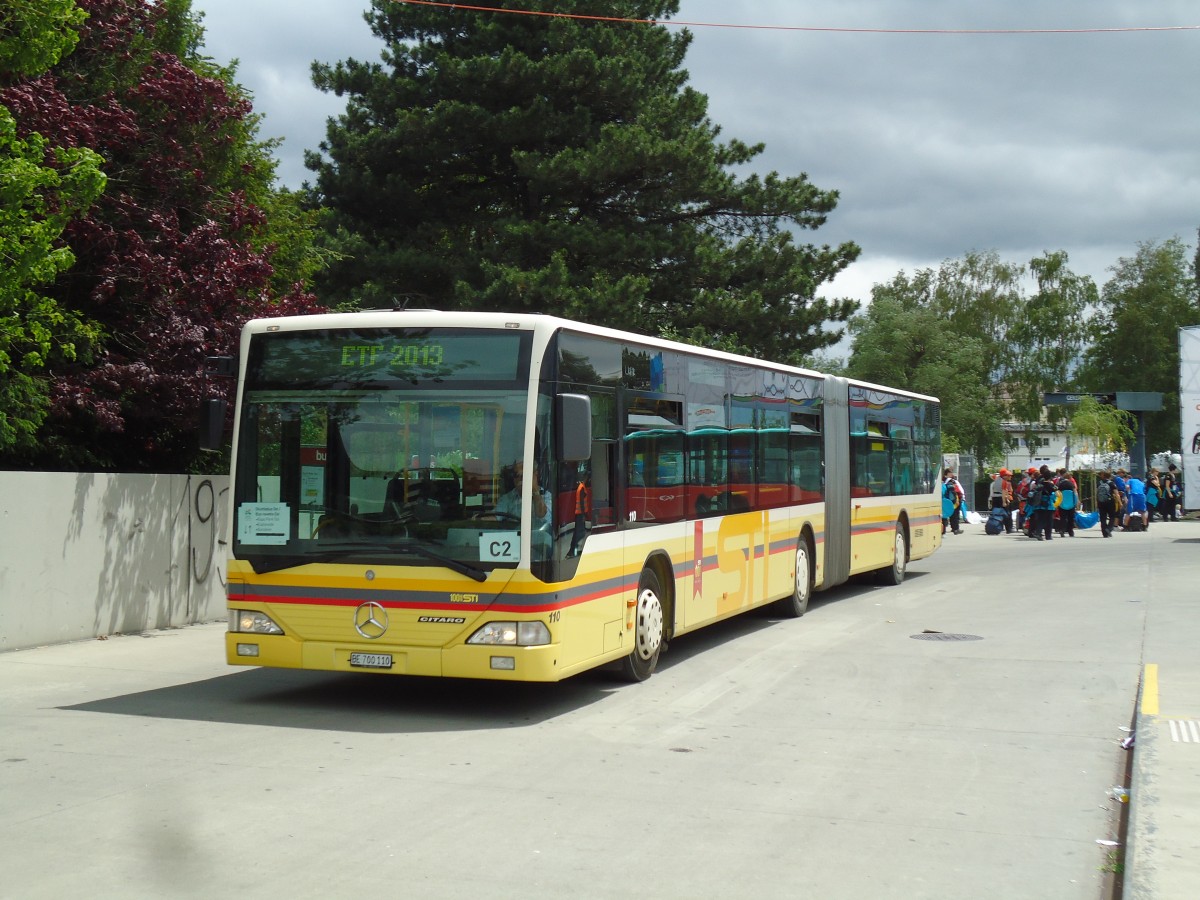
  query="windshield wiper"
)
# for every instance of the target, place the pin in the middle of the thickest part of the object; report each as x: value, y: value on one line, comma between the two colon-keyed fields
x: 265, y: 564
x: 456, y: 565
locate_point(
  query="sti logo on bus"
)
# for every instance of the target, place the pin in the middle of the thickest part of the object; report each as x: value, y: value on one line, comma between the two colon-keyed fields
x: 464, y: 598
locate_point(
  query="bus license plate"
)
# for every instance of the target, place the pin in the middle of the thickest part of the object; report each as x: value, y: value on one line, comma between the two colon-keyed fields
x: 371, y: 660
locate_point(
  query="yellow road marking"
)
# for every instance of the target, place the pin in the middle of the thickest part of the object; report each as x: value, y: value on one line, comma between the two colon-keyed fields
x: 1150, y: 690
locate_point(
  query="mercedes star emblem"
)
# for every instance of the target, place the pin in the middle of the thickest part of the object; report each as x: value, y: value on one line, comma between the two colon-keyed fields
x: 371, y: 620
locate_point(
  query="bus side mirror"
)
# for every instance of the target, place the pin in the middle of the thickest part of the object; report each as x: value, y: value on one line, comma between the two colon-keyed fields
x: 212, y: 410
x: 212, y: 423
x: 221, y: 366
x: 574, y: 427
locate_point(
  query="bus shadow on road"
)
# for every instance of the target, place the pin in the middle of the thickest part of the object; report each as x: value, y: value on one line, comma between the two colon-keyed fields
x: 696, y: 643
x: 357, y: 703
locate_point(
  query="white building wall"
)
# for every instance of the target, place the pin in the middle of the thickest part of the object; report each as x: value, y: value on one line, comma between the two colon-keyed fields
x: 84, y: 555
x: 1050, y: 449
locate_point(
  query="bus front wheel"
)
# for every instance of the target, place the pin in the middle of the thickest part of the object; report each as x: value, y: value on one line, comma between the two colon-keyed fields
x: 648, y: 629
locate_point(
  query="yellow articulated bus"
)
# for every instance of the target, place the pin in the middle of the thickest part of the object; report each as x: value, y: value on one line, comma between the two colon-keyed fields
x: 520, y: 497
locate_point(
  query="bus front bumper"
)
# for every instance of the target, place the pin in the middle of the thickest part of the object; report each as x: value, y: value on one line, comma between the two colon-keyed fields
x: 461, y: 661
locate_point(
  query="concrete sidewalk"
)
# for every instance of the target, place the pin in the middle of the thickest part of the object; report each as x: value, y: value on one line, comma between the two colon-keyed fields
x: 1162, y: 859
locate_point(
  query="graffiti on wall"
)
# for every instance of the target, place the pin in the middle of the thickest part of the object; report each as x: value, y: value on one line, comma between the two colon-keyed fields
x: 206, y: 543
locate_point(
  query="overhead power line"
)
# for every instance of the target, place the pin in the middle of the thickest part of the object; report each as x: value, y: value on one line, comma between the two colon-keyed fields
x: 813, y: 28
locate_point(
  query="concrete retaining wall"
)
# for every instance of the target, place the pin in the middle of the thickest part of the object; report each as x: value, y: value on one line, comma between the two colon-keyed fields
x: 83, y: 555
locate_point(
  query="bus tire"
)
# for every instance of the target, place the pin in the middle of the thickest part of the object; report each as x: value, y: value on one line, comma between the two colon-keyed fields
x: 894, y: 574
x: 649, y: 629
x: 796, y: 605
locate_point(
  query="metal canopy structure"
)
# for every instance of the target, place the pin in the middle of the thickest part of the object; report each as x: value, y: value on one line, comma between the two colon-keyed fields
x: 1136, y: 402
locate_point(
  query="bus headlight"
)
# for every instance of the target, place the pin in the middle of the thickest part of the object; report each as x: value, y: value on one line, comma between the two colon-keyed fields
x: 246, y: 621
x: 512, y: 634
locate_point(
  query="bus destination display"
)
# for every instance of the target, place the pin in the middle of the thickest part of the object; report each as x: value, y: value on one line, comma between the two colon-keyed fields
x: 372, y: 356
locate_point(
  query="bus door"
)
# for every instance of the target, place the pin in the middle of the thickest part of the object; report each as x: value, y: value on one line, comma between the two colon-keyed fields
x: 598, y: 474
x: 731, y: 529
x: 653, y: 486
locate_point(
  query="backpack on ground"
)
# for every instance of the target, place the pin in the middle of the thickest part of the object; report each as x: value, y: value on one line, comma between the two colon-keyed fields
x: 995, y: 521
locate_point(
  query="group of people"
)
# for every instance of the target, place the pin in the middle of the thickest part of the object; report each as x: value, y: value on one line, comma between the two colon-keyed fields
x: 1129, y: 503
x: 1045, y: 501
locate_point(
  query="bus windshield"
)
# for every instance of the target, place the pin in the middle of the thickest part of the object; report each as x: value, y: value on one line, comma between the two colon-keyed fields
x: 386, y: 445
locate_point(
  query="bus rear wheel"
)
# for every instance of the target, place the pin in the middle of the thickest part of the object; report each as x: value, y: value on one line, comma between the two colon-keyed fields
x: 648, y: 629
x: 894, y: 574
x: 796, y: 605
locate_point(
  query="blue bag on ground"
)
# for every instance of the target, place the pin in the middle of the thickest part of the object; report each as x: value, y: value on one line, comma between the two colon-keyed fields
x: 995, y: 521
x: 1086, y: 520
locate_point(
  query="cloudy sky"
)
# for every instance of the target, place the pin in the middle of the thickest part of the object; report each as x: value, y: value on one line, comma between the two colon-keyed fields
x: 1080, y: 136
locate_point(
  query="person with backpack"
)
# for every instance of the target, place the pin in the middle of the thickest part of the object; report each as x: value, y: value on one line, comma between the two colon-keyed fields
x: 1153, y: 495
x: 952, y: 497
x: 1041, y: 500
x: 1173, y: 485
x: 1024, y: 512
x: 1001, y: 495
x: 1106, y: 503
x: 1170, y: 489
x: 1136, y: 518
x: 1066, y: 499
x: 1120, y: 497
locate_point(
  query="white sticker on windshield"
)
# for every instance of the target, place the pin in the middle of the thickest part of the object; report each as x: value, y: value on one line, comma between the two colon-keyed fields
x: 499, y: 546
x: 264, y: 523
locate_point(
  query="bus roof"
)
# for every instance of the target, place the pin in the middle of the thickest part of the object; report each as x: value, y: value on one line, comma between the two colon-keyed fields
x: 539, y: 323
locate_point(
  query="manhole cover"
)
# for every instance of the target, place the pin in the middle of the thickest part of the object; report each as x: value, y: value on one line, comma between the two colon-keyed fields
x: 944, y: 636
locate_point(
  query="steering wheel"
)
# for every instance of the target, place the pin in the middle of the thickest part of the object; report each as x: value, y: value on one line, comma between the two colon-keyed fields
x: 498, y: 516
x: 401, y: 512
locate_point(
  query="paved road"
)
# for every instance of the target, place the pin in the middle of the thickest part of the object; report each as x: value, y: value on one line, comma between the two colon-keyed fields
x: 838, y: 756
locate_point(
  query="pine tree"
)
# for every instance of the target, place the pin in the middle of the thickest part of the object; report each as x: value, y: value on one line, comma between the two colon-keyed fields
x: 1135, y: 333
x: 563, y: 165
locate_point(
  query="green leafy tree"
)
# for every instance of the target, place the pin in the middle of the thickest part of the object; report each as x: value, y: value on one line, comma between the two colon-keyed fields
x: 1135, y: 333
x: 1047, y: 337
x: 175, y: 254
x: 1022, y: 345
x: 976, y: 298
x: 901, y: 339
x: 42, y: 189
x: 36, y: 34
x: 980, y: 295
x: 543, y: 163
x: 1101, y: 428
